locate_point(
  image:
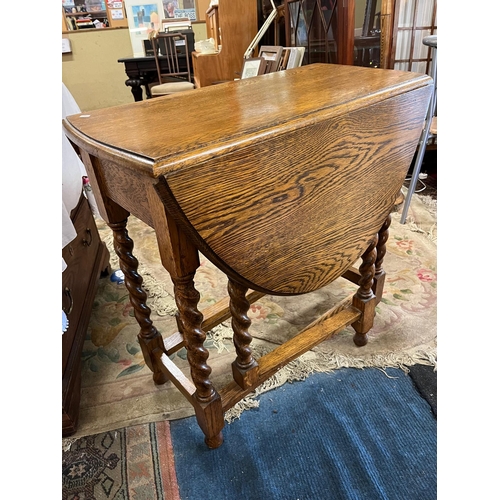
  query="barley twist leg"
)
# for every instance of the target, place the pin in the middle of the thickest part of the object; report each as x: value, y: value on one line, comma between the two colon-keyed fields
x: 187, y: 298
x: 150, y: 339
x: 245, y: 368
x: 383, y: 236
x: 365, y: 299
x: 206, y: 400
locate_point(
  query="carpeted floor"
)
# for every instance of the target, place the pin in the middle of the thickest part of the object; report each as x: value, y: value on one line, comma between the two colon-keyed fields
x: 425, y: 377
x: 352, y: 434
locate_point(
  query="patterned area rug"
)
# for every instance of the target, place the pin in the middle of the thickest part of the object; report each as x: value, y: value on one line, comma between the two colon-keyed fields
x: 132, y: 463
x: 117, y: 387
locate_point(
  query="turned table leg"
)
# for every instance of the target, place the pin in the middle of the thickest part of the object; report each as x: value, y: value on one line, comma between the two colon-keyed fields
x: 365, y: 299
x: 245, y: 368
x: 135, y: 87
x: 150, y: 339
x: 383, y: 236
x: 207, y: 402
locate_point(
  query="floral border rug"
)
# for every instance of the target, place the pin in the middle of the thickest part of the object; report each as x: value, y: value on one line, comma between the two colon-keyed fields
x: 117, y: 387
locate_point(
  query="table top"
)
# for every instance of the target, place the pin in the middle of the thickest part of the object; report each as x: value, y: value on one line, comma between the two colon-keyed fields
x: 136, y: 58
x: 282, y: 180
x: 173, y: 131
x: 144, y: 58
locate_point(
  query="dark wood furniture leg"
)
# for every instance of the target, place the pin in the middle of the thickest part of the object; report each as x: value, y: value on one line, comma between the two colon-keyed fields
x: 245, y: 368
x: 365, y: 299
x: 135, y: 85
x: 379, y: 278
x: 149, y: 338
x: 207, y: 402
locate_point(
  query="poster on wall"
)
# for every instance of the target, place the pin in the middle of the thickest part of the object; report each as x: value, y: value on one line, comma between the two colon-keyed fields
x: 142, y: 19
x: 179, y: 8
x: 146, y: 17
x: 116, y: 14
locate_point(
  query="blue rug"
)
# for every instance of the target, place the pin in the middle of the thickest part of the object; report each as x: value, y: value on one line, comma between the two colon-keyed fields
x: 348, y: 435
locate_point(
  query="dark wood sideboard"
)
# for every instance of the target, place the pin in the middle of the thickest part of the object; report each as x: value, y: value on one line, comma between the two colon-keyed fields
x: 87, y: 258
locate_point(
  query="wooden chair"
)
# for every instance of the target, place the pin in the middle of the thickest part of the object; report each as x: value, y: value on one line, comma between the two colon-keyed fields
x: 169, y: 50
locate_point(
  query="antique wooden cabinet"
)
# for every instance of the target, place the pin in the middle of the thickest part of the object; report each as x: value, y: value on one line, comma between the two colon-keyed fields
x: 212, y: 21
x: 376, y: 33
x: 324, y: 28
x: 233, y: 25
x: 86, y: 258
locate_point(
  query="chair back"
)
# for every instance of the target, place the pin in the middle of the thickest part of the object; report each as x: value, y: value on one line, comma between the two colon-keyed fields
x: 172, y: 56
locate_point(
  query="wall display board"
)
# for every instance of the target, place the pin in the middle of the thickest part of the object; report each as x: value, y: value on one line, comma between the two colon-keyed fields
x: 92, y: 14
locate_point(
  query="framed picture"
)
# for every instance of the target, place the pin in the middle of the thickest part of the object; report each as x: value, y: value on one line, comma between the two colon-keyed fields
x: 142, y: 19
x: 173, y: 9
x: 253, y: 67
x: 146, y: 17
x: 272, y: 56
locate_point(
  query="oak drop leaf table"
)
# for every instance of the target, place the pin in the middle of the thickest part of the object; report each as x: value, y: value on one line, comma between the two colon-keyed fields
x: 283, y: 181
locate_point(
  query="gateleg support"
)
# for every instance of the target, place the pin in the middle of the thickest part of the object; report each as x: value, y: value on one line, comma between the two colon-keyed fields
x: 353, y: 275
x: 379, y: 277
x: 365, y: 299
x: 245, y: 368
x: 152, y: 348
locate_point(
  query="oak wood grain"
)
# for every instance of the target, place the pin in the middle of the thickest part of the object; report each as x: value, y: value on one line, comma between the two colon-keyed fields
x: 159, y: 135
x: 236, y: 182
x: 295, y: 229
